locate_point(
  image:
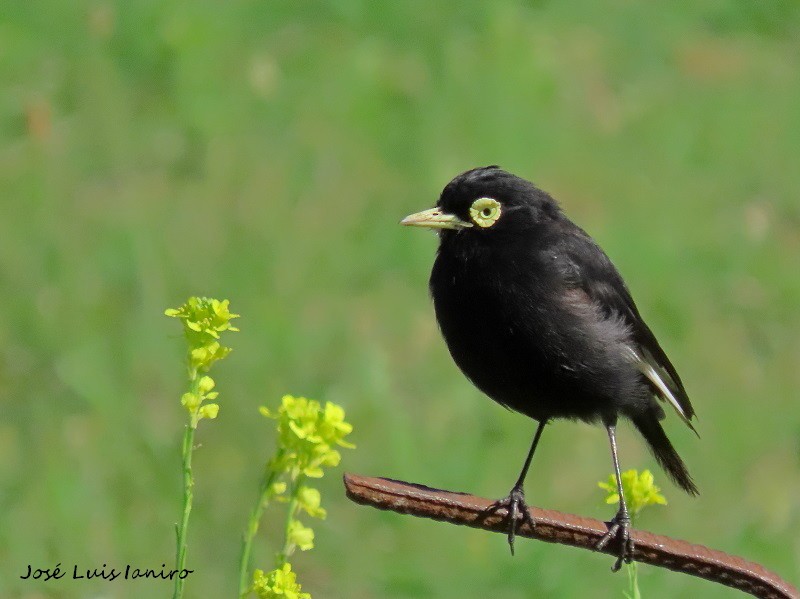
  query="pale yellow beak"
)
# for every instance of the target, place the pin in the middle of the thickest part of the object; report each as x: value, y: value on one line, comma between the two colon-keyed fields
x: 435, y: 219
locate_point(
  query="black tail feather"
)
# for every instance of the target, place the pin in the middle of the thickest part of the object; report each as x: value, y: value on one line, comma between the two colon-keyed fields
x: 664, y: 452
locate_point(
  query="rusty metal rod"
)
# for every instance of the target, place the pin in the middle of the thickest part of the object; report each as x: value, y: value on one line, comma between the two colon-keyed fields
x: 568, y: 529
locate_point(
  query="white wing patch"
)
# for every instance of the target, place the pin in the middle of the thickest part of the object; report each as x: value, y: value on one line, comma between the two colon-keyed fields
x: 645, y: 366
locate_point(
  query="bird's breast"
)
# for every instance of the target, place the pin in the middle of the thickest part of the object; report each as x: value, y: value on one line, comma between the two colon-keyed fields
x: 511, y: 335
x: 490, y: 328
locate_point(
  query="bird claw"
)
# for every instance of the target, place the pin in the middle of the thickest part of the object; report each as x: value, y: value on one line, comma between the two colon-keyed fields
x: 514, y: 504
x: 619, y: 527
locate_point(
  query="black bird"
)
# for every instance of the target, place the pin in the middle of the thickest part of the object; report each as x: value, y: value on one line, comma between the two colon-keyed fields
x: 538, y: 318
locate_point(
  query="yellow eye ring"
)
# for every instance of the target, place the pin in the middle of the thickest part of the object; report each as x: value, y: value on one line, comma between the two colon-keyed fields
x: 484, y: 212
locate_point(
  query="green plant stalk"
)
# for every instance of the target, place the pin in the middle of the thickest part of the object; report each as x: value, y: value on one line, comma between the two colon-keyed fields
x: 288, y: 547
x: 633, y: 574
x: 188, y: 495
x: 633, y: 581
x: 252, y: 524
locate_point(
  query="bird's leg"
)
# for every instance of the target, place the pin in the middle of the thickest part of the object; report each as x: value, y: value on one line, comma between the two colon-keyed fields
x: 620, y: 525
x: 514, y: 503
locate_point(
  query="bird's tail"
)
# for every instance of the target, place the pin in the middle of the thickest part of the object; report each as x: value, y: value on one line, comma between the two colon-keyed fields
x: 664, y: 452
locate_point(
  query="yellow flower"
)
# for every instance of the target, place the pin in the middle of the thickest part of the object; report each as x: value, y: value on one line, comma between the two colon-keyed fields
x: 300, y: 535
x: 306, y: 433
x: 205, y: 315
x: 205, y: 384
x: 309, y: 499
x: 209, y: 411
x: 638, y: 488
x: 281, y: 583
x: 333, y: 427
x: 203, y: 320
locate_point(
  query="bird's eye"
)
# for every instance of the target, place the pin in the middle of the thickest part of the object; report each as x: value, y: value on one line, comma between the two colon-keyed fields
x: 485, y: 212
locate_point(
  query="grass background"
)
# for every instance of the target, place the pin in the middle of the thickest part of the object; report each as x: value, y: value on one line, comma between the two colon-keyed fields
x: 264, y: 152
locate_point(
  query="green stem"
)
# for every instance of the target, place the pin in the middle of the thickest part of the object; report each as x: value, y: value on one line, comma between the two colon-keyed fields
x: 188, y: 495
x: 633, y: 581
x: 188, y: 483
x: 288, y: 546
x: 633, y: 573
x: 252, y: 524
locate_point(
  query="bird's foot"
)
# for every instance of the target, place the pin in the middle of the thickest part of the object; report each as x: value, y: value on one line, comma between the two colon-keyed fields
x: 619, y: 527
x: 514, y: 505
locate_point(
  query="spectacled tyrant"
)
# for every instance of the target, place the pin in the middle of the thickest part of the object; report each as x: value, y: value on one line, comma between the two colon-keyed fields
x: 538, y: 318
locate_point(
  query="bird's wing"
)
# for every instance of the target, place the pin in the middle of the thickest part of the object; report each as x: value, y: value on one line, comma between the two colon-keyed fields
x: 584, y: 265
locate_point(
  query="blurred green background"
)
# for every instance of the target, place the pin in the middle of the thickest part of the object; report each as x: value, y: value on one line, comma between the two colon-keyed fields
x: 264, y: 152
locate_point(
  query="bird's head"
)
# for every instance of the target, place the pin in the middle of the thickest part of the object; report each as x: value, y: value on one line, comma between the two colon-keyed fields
x: 486, y: 202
